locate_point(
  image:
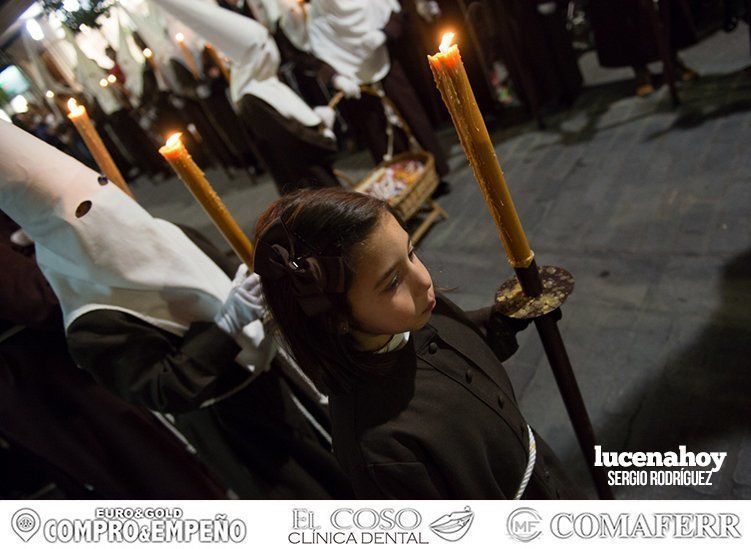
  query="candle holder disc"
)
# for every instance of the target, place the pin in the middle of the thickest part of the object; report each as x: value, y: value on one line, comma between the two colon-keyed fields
x: 557, y: 285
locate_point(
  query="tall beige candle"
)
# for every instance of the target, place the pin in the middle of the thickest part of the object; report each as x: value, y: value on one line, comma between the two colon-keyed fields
x: 451, y: 79
x: 94, y: 143
x: 178, y: 157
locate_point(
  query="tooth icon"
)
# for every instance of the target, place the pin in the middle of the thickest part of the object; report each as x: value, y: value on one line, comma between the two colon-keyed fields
x: 25, y: 523
x: 454, y: 526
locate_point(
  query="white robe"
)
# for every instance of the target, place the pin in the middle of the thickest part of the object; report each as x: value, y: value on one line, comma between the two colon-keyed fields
x: 336, y: 29
x: 254, y: 55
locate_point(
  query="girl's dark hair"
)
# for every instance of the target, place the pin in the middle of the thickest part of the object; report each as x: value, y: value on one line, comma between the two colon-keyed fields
x: 332, y: 221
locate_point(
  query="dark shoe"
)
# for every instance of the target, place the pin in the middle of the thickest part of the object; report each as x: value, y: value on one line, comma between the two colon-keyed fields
x: 684, y: 73
x: 443, y: 188
x: 644, y: 85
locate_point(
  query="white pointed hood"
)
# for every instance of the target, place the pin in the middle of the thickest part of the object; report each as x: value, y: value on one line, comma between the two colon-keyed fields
x: 40, y: 70
x: 266, y: 11
x: 336, y: 29
x: 89, y: 74
x: 61, y: 52
x: 151, y: 28
x: 293, y: 21
x: 114, y: 256
x: 131, y: 67
x: 254, y: 55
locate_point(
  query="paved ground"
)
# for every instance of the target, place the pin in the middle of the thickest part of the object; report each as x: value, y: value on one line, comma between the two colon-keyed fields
x: 649, y: 208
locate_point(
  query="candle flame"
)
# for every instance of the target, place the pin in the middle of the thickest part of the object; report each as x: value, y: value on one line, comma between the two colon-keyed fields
x: 103, y: 82
x: 147, y: 53
x: 174, y: 139
x: 111, y: 78
x: 50, y: 94
x: 180, y: 37
x: 446, y: 41
x: 74, y: 108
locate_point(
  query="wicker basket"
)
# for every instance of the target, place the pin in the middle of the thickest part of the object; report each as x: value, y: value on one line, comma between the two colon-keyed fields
x: 409, y: 201
x: 417, y: 194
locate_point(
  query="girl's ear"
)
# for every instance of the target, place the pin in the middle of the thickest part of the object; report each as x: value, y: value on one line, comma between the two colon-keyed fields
x: 336, y: 323
x: 342, y: 327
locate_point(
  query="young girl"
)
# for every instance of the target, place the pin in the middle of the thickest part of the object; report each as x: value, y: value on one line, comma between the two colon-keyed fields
x: 420, y: 404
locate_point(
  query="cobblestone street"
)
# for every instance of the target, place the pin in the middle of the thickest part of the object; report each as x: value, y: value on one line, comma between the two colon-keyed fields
x: 649, y: 207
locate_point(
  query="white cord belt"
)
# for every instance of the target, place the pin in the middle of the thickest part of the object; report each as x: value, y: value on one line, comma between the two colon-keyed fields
x: 530, y: 464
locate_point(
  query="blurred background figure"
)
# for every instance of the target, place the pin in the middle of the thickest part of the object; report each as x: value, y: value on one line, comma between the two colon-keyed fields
x: 625, y: 36
x: 293, y: 140
x: 351, y: 39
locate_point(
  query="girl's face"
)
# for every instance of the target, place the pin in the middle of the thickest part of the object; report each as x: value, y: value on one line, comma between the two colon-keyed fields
x: 392, y: 291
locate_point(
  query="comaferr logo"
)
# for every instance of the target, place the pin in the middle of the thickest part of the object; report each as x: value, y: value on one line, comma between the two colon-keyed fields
x: 641, y: 525
x: 454, y: 526
x: 525, y: 524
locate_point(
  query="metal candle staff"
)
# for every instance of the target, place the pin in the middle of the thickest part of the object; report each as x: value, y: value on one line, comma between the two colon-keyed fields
x: 535, y: 293
x: 178, y: 157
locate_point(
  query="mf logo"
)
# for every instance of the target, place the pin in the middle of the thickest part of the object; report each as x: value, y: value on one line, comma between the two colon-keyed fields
x: 524, y: 524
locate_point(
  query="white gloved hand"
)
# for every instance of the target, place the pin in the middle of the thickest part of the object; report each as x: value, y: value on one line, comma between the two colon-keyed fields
x: 373, y: 40
x: 241, y: 317
x: 348, y: 85
x: 203, y: 91
x: 546, y: 8
x: 244, y: 304
x: 326, y: 114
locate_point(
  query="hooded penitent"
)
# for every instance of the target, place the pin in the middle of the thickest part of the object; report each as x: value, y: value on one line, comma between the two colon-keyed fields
x: 89, y: 75
x: 336, y: 30
x: 254, y: 55
x: 152, y: 28
x: 60, y: 52
x: 97, y: 247
x: 132, y: 67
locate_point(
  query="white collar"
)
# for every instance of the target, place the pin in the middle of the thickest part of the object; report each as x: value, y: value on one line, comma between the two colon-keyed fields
x: 397, y: 341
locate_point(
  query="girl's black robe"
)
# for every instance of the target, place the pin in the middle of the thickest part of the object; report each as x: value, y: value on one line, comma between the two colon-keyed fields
x: 440, y: 420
